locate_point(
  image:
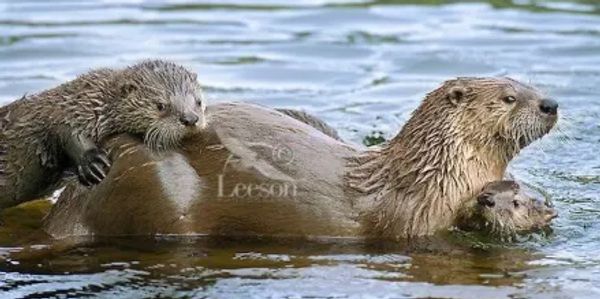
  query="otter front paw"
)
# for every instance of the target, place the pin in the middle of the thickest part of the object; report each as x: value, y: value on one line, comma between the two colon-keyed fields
x: 93, y: 166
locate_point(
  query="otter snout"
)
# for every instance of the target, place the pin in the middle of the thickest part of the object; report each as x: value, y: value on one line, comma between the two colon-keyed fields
x: 549, y: 106
x: 549, y: 211
x: 545, y: 209
x: 550, y: 214
x: 189, y: 119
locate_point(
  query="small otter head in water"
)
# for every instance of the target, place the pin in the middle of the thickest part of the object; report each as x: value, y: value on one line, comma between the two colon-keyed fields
x: 514, y: 113
x: 161, y: 101
x: 502, y: 209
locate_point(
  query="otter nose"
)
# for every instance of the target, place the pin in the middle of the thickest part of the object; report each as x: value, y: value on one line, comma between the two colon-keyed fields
x: 189, y: 119
x: 549, y: 106
x: 550, y: 214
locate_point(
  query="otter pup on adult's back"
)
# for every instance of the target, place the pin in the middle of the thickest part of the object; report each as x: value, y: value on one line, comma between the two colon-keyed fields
x: 44, y: 134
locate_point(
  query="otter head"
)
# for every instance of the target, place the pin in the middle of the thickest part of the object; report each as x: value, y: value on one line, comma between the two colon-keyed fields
x: 502, y: 209
x: 500, y: 112
x: 161, y: 101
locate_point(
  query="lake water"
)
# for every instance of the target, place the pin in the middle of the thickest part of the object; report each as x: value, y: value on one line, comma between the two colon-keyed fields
x: 363, y: 66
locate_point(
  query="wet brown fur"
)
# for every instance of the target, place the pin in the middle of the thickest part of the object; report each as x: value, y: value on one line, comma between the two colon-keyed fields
x: 312, y: 121
x: 503, y: 209
x: 461, y: 137
x: 95, y: 105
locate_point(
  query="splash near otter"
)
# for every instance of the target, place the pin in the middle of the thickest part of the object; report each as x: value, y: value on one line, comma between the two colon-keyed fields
x: 44, y: 134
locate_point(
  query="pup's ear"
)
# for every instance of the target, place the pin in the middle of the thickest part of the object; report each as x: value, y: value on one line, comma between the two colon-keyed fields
x: 127, y: 88
x: 457, y: 94
x: 486, y: 199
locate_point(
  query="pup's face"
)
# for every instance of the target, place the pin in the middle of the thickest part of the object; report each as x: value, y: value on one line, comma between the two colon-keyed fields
x: 163, y: 102
x: 503, y: 209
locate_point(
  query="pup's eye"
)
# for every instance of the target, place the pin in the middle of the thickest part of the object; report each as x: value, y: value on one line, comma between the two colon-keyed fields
x: 161, y: 107
x: 516, y: 203
x: 199, y: 103
x: 509, y: 99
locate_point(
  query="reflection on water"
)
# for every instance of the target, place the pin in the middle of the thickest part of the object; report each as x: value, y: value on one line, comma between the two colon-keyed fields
x: 187, y: 266
x: 362, y: 66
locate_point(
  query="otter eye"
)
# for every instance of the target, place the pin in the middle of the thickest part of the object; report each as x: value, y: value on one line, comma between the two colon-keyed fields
x: 509, y: 99
x: 516, y: 203
x: 161, y: 107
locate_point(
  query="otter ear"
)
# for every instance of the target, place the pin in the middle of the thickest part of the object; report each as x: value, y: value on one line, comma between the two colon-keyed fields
x: 127, y: 88
x: 486, y: 199
x: 456, y: 94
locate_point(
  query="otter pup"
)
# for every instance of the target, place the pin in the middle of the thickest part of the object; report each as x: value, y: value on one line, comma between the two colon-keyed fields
x: 504, y: 210
x: 44, y: 134
x: 256, y: 171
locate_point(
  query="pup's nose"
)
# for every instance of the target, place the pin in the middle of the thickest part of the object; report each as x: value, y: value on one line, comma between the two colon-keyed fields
x: 549, y: 106
x: 551, y: 214
x: 189, y: 119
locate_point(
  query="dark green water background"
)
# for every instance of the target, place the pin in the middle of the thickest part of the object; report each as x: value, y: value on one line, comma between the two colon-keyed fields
x: 361, y: 65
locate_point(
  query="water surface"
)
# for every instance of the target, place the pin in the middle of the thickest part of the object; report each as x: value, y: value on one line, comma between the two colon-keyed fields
x: 363, y: 66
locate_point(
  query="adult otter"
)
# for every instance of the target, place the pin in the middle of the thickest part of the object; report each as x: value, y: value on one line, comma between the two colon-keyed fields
x: 256, y: 171
x: 504, y: 209
x: 43, y: 134
x: 461, y: 137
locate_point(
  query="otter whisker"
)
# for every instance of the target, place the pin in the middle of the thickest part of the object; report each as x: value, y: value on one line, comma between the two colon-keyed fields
x: 147, y: 137
x: 153, y: 139
x: 563, y: 135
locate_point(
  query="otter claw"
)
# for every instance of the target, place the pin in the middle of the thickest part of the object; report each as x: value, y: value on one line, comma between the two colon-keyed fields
x: 93, y: 168
x: 82, y: 178
x: 103, y: 159
x: 97, y: 171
